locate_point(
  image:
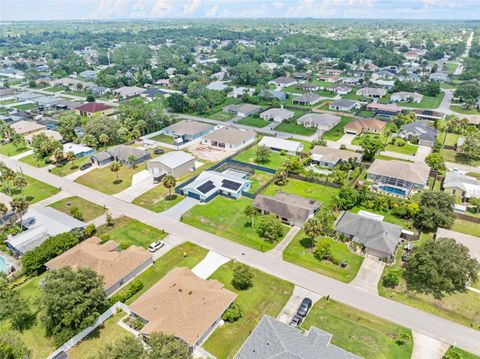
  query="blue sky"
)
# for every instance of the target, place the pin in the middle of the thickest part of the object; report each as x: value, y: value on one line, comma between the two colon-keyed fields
x: 127, y: 9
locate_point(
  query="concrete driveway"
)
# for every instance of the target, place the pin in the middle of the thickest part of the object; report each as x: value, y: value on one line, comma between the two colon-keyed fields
x: 290, y: 309
x: 135, y: 190
x: 180, y: 208
x: 209, y: 264
x: 425, y: 347
x: 422, y: 153
x: 369, y: 274
x: 346, y: 140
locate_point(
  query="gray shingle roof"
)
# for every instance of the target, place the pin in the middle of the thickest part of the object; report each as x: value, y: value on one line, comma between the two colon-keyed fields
x: 421, y: 129
x: 287, y: 205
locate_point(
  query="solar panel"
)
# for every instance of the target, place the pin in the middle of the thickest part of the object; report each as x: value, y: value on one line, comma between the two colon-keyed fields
x: 206, y: 187
x: 230, y: 185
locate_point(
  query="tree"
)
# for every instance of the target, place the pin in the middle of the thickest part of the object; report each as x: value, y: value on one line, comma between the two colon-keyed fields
x: 169, y: 182
x: 270, y: 228
x: 471, y: 147
x: 392, y: 278
x: 12, y: 347
x: 67, y: 125
x: 72, y: 301
x: 90, y: 98
x: 313, y: 228
x: 441, y: 267
x: 164, y: 346
x: 436, y: 210
x: 131, y: 160
x: 115, y: 167
x: 76, y: 213
x: 20, y: 182
x: 104, y: 139
x: 250, y: 211
x: 177, y: 102
x: 293, y: 166
x: 233, y: 313
x: 128, y: 347
x: 19, y: 207
x: 347, y: 198
x: 242, y: 276
x: 262, y: 154
x: 281, y: 178
x: 70, y: 157
x: 12, y: 306
x: 435, y: 161
x: 322, y: 250
x: 371, y: 145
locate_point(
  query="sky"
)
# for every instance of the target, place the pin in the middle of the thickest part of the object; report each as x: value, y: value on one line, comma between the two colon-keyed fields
x: 11, y: 10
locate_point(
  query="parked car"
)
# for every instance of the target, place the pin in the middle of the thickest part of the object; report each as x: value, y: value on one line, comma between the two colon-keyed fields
x: 155, y: 246
x: 304, y: 307
x: 296, y: 320
x: 158, y: 151
x: 85, y: 166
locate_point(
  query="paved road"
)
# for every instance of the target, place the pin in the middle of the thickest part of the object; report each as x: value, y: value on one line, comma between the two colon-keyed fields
x: 425, y: 323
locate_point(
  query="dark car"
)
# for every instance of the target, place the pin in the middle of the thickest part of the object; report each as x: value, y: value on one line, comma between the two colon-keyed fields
x: 296, y: 320
x: 158, y: 151
x: 304, y: 307
x: 85, y: 166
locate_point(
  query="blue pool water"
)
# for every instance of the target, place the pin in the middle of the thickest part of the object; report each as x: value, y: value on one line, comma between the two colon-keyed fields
x: 3, y: 264
x: 393, y: 190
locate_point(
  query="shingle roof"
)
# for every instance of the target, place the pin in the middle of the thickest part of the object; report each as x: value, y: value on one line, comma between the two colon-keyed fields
x: 281, y: 144
x: 173, y: 159
x: 188, y: 127
x: 412, y: 172
x: 365, y: 124
x: 421, y: 129
x: 93, y: 107
x: 22, y: 127
x: 287, y: 205
x: 333, y: 155
x: 231, y: 135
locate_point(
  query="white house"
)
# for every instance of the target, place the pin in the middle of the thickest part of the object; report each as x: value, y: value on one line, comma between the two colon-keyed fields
x: 279, y: 144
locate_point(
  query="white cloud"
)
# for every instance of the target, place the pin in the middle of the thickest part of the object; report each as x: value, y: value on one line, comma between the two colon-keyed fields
x: 108, y: 9
x: 213, y: 12
x: 277, y: 4
x: 162, y: 8
x: 192, y: 6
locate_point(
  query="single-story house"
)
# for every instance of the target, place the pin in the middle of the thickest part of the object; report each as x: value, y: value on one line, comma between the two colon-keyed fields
x: 371, y: 92
x: 174, y: 163
x: 73, y: 84
x: 471, y: 242
x: 461, y: 186
x: 279, y: 144
x: 47, y: 101
x: 379, y: 238
x: 89, y: 75
x: 330, y: 157
x: 217, y: 86
x: 163, y: 82
x: 307, y: 99
x: 24, y: 128
x: 279, y: 95
x: 352, y: 80
x: 438, y: 77
x: 209, y: 184
x: 117, y: 267
x: 421, y: 130
x: 289, y: 208
x: 188, y: 130
x: 100, y: 90
x: 127, y: 92
x: 398, y: 177
x: 7, y: 91
x: 283, y: 82
x: 277, y: 114
x: 359, y: 126
x: 183, y: 305
x: 41, y: 223
x: 332, y: 78
x: 53, y: 135
x: 404, y: 96
x: 92, y: 108
x: 344, y: 105
x: 229, y: 137
x: 122, y: 154
x: 308, y: 87
x: 26, y: 96
x: 428, y: 114
x: 78, y: 150
x: 384, y: 109
x: 239, y: 91
x: 321, y: 121
x: 242, y: 110
x: 341, y: 90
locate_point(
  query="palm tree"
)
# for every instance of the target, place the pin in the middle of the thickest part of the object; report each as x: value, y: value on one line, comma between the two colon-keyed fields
x: 169, y: 182
x: 250, y: 211
x: 3, y: 209
x: 58, y: 154
x: 19, y: 207
x: 115, y: 167
x: 18, y: 141
x: 20, y: 182
x: 6, y: 176
x: 6, y: 132
x: 104, y: 139
x: 131, y: 160
x: 70, y: 157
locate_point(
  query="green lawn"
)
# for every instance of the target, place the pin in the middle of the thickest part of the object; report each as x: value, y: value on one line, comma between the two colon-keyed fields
x: 54, y: 89
x: 34, y: 191
x: 463, y: 354
x: 408, y: 149
x: 132, y: 232
x: 163, y: 138
x: 451, y: 139
x: 88, y: 209
x: 10, y: 150
x: 314, y: 191
x: 69, y: 167
x: 300, y: 252
x: 337, y: 132
x: 358, y: 332
x: 451, y: 67
x: 428, y: 102
x: 25, y: 106
x: 295, y: 128
x: 31, y: 160
x: 259, y: 179
x: 267, y: 296
x: 225, y: 218
x: 465, y: 111
x: 466, y: 227
x: 104, y: 180
x: 365, y: 113
x: 253, y: 122
x: 221, y: 116
x: 389, y: 158
x: 275, y: 162
x: 452, y: 156
x: 388, y: 216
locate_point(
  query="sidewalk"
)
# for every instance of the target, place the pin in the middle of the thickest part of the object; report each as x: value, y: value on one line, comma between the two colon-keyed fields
x: 280, y: 247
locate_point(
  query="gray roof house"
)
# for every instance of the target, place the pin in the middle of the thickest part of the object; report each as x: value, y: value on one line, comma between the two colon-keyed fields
x: 330, y: 157
x: 420, y: 129
x: 272, y: 339
x: 188, y: 130
x: 344, y: 105
x: 279, y: 95
x: 277, y: 114
x: 322, y: 121
x: 229, y: 137
x: 379, y: 238
x: 122, y: 154
x: 307, y: 99
x: 462, y: 186
x: 242, y: 110
x: 438, y: 77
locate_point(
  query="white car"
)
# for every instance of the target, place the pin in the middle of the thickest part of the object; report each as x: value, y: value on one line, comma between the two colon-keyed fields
x: 155, y: 246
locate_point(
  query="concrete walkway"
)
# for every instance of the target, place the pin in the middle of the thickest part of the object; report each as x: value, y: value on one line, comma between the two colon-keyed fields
x: 170, y: 243
x: 136, y: 190
x: 23, y: 154
x: 209, y: 265
x: 73, y: 176
x: 369, y: 274
x: 290, y: 309
x: 180, y: 208
x: 422, y: 153
x: 425, y: 347
x: 280, y: 247
x: 47, y: 201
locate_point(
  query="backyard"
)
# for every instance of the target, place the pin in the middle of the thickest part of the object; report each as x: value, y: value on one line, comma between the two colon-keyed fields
x: 259, y: 179
x: 452, y: 156
x: 293, y: 127
x: 275, y: 161
x: 88, y: 209
x: 428, y: 102
x: 268, y: 295
x: 221, y: 116
x: 9, y: 149
x: 337, y: 132
x: 163, y: 138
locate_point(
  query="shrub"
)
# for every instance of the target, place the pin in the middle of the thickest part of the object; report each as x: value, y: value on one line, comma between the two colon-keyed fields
x: 123, y: 295
x: 392, y: 278
x: 124, y: 245
x: 270, y: 228
x: 76, y: 213
x: 242, y: 276
x: 401, y: 338
x: 452, y: 355
x: 233, y: 313
x: 322, y: 250
x: 89, y: 230
x: 104, y: 238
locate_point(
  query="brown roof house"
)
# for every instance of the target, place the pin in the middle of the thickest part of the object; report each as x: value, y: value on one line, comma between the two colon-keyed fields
x: 330, y: 157
x: 116, y: 266
x: 359, y: 126
x: 91, y: 108
x: 183, y: 305
x: 289, y: 208
x: 229, y: 138
x: 26, y: 127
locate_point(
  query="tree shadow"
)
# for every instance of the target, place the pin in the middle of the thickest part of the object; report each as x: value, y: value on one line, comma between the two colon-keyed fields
x: 306, y: 243
x: 116, y: 182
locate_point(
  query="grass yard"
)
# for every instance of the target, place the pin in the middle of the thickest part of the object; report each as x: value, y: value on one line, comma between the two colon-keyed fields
x: 132, y: 232
x: 451, y: 67
x: 295, y: 128
x: 464, y: 111
x: 366, y: 114
x: 69, y: 167
x: 185, y: 255
x: 31, y: 160
x: 268, y: 295
x: 463, y: 354
x: 389, y: 158
x: 225, y: 218
x: 428, y: 102
x: 466, y: 227
x: 163, y: 138
x: 452, y: 156
x: 337, y: 132
x: 104, y: 180
x: 10, y: 150
x: 253, y: 122
x: 408, y: 149
x: 221, y: 116
x: 8, y: 102
x: 54, y: 89
x: 314, y: 191
x: 34, y: 191
x: 259, y: 179
x: 299, y: 252
x: 451, y: 139
x: 359, y: 332
x: 104, y: 335
x: 88, y: 209
x: 388, y: 216
x: 275, y: 162
x: 25, y: 106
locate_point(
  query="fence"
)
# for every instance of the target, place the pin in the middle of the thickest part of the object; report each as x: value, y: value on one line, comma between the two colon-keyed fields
x: 312, y: 180
x: 467, y: 218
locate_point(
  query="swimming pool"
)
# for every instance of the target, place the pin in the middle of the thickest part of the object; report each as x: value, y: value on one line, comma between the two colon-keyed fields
x: 393, y: 190
x: 3, y: 264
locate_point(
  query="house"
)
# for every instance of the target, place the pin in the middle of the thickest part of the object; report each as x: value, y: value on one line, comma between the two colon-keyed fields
x: 46, y: 102
x: 307, y: 99
x: 12, y: 73
x: 289, y: 208
x: 461, y: 186
x: 127, y: 92
x: 89, y: 75
x: 93, y: 108
x: 371, y: 92
x: 331, y: 78
x: 330, y: 157
x: 282, y: 82
x: 67, y: 105
x: 308, y: 87
x: 53, y: 135
x: 404, y: 96
x: 126, y: 155
x: 428, y: 115
x: 188, y: 130
x: 344, y: 105
x: 272, y: 339
x: 239, y: 91
x: 40, y: 223
x: 359, y: 126
x: 117, y: 267
x: 277, y: 114
x: 468, y: 241
x: 99, y: 90
x: 411, y: 77
x: 24, y: 128
x: 384, y: 109
x: 420, y: 130
x: 398, y: 177
x: 351, y: 80
x: 26, y: 96
x: 217, y: 86
x: 183, y: 305
x: 229, y: 138
x: 209, y: 184
x: 73, y: 84
x: 242, y: 110
x: 321, y: 121
x: 383, y: 74
x: 379, y: 238
x: 163, y: 83
x: 174, y: 163
x: 438, y: 77
x: 279, y: 95
x: 78, y: 150
x: 340, y: 90
x: 7, y: 91
x: 279, y: 144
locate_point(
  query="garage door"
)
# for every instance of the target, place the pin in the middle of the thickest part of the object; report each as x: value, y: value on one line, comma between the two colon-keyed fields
x: 193, y: 195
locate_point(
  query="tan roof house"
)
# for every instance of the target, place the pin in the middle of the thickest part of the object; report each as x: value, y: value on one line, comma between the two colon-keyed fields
x: 359, y: 126
x: 330, y: 157
x: 53, y: 135
x: 229, y: 138
x: 183, y: 305
x: 26, y: 127
x: 116, y: 266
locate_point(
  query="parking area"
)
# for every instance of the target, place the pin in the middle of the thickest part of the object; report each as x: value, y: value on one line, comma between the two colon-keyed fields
x: 369, y: 274
x: 180, y: 208
x: 208, y: 153
x: 290, y: 309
